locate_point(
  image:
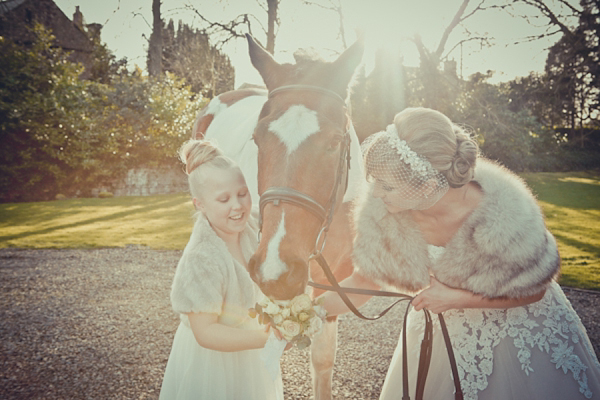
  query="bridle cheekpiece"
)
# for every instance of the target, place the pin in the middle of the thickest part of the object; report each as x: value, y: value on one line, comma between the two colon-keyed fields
x: 325, y: 213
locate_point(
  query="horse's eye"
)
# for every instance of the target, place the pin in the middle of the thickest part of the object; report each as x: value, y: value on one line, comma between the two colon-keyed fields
x: 334, y: 143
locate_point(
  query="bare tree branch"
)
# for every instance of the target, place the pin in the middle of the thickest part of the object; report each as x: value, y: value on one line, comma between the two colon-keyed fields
x: 455, y: 21
x: 228, y: 27
x: 482, y: 39
x: 336, y: 8
x: 548, y: 13
x: 139, y: 14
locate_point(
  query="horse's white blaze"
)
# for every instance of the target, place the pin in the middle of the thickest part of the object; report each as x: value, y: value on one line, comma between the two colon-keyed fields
x: 273, y: 267
x: 295, y: 126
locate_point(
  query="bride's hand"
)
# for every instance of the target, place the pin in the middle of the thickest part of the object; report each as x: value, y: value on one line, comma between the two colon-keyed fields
x: 438, y: 297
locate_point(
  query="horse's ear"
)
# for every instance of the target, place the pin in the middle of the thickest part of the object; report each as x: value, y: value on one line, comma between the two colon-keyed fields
x: 263, y: 62
x: 347, y: 63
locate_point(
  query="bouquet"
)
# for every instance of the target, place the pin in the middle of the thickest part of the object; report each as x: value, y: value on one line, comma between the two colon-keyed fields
x: 298, y: 320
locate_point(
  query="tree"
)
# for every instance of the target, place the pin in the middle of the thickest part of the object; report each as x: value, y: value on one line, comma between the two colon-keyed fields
x: 438, y: 88
x: 573, y: 70
x: 155, y: 45
x: 272, y: 7
x: 188, y: 53
x: 503, y: 134
x: 105, y: 66
x: 42, y: 110
x: 62, y: 134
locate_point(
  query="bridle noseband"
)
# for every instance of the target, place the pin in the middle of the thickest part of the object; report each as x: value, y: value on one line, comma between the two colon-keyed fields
x: 278, y: 194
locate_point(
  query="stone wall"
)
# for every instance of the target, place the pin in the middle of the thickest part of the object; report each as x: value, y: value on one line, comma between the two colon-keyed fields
x: 147, y: 182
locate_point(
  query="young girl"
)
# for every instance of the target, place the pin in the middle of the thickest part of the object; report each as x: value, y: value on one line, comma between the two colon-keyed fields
x: 216, y: 349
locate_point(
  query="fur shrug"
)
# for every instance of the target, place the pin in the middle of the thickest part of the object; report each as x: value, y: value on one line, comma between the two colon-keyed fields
x: 208, y: 279
x: 502, y: 249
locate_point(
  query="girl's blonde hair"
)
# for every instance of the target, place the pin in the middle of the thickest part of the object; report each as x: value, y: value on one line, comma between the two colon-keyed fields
x: 197, y: 153
x: 446, y: 145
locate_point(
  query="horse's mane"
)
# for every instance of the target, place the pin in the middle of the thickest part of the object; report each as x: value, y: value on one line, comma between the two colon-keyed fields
x: 308, y: 56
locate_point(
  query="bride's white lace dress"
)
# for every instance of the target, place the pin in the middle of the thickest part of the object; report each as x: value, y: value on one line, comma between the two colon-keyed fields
x: 540, y: 351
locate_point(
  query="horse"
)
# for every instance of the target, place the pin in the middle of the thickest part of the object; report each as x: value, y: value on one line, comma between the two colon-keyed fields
x: 301, y: 157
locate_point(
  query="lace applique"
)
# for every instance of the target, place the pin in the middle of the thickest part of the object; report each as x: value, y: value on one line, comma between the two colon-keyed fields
x: 550, y: 326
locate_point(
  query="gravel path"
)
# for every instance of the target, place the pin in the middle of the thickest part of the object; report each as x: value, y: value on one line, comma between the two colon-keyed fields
x: 97, y: 324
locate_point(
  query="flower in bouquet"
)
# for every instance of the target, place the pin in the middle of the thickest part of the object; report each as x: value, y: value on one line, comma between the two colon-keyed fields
x: 298, y: 320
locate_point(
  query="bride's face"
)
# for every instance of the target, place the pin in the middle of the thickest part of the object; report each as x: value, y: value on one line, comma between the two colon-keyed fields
x: 400, y: 196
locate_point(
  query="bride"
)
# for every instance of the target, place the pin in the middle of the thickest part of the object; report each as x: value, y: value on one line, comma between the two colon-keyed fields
x: 469, y: 237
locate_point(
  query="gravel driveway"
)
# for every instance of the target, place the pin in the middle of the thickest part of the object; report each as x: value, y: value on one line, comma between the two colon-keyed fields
x: 97, y: 324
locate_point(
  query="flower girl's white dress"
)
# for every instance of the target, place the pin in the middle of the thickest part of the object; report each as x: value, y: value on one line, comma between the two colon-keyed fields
x: 537, y: 352
x: 206, y: 281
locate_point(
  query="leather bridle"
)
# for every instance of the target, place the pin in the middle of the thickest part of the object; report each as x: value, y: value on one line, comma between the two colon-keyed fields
x: 278, y: 194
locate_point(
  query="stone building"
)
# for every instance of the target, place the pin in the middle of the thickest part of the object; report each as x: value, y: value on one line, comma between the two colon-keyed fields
x: 18, y: 16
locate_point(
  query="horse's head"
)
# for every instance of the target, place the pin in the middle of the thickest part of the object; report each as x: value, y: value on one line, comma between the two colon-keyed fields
x: 303, y: 139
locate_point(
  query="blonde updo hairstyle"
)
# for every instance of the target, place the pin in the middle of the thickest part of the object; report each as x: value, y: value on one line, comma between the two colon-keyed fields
x: 197, y: 155
x: 444, y: 144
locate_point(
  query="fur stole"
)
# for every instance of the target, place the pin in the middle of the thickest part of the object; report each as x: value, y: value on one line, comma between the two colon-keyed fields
x: 207, y: 270
x: 502, y: 249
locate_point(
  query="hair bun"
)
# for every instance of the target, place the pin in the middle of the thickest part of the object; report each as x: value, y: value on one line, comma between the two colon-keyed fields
x: 462, y: 169
x: 194, y: 153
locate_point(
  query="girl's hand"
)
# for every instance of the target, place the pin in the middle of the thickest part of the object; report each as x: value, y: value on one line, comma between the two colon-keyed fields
x: 278, y: 335
x: 438, y: 297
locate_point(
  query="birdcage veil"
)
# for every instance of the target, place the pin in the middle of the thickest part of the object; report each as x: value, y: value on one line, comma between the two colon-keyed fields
x: 408, y: 179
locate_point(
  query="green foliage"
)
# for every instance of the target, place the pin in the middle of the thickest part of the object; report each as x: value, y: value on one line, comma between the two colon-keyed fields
x: 503, y: 134
x: 573, y: 71
x: 146, y: 121
x: 188, y: 54
x: 40, y: 94
x: 61, y: 134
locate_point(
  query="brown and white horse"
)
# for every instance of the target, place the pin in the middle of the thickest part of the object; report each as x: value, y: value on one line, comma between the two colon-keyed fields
x: 298, y: 150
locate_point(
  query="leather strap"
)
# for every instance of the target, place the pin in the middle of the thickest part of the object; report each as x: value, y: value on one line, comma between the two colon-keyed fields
x: 426, y: 344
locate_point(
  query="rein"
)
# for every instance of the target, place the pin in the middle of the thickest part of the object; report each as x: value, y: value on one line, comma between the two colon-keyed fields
x: 278, y: 194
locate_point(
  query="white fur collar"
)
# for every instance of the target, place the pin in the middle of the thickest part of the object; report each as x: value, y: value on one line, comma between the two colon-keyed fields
x: 503, y: 249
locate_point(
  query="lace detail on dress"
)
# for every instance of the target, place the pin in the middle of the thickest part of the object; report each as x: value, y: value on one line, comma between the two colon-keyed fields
x: 550, y: 326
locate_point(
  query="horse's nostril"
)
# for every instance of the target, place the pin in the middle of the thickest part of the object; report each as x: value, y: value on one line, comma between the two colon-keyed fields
x: 296, y: 278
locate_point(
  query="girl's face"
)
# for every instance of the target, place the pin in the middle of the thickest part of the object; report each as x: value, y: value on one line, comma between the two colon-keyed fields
x: 225, y: 200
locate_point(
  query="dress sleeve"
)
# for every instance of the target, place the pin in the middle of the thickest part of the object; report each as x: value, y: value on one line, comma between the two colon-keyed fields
x: 199, y: 284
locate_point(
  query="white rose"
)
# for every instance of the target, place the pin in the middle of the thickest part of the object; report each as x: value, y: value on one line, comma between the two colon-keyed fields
x: 315, y: 326
x: 290, y: 329
x: 285, y: 312
x: 272, y: 309
x: 278, y: 319
x: 301, y: 303
x: 303, y: 316
x: 320, y: 311
x: 264, y: 300
x: 282, y: 303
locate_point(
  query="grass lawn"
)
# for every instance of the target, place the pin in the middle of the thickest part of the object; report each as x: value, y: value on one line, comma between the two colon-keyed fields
x: 571, y: 202
x: 160, y: 222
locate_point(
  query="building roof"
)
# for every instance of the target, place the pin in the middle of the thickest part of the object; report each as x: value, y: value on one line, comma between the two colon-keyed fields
x: 17, y: 16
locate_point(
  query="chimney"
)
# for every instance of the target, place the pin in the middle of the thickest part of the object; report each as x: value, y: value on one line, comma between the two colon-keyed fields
x: 450, y: 67
x: 78, y: 18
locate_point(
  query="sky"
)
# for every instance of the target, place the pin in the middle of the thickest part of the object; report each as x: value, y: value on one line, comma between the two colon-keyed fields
x: 386, y: 24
